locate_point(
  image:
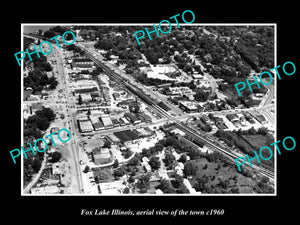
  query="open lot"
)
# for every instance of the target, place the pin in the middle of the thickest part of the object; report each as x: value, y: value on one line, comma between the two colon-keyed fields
x: 213, y: 173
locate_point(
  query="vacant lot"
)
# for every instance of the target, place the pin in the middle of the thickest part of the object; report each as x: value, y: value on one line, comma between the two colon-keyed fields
x: 257, y: 141
x: 221, y: 178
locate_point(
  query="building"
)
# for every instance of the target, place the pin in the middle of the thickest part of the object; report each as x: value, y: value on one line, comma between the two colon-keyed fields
x: 82, y: 64
x: 249, y: 117
x: 180, y: 90
x: 85, y: 126
x: 62, y: 170
x: 106, y: 121
x: 123, y: 121
x: 176, y: 99
x: 113, y: 138
x: 189, y: 107
x: 145, y: 163
x: 115, y: 122
x: 197, y: 76
x: 86, y: 97
x: 260, y: 118
x: 83, y: 61
x: 45, y: 190
x: 112, y: 188
x: 178, y: 131
x: 232, y: 117
x: 101, y: 156
x: 205, y: 119
x: 132, y: 118
x: 97, y: 124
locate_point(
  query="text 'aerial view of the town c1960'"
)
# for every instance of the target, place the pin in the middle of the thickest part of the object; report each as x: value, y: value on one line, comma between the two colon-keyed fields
x: 159, y: 118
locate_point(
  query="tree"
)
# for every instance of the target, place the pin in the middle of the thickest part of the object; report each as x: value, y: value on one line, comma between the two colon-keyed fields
x: 143, y: 182
x: 126, y: 190
x: 49, y: 33
x: 265, y: 179
x: 53, y: 82
x: 182, y: 158
x: 127, y: 154
x: 166, y: 186
x: 154, y: 163
x: 190, y: 168
x: 182, y: 189
x: 201, y: 95
x: 36, y: 165
x: 119, y: 172
x: 107, y: 144
x: 116, y: 164
x: 40, y: 32
x: 169, y: 159
x: 86, y: 169
x: 134, y: 107
x: 79, y: 100
x: 177, y: 181
x: 134, y: 161
x: 88, y: 112
x: 262, y: 130
x: 131, y: 179
x: 55, y: 156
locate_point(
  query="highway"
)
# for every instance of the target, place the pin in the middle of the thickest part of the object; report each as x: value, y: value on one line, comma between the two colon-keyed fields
x: 73, y: 143
x: 152, y: 103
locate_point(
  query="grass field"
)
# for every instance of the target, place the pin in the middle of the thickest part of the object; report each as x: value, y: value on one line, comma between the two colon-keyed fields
x: 258, y: 141
x: 217, y: 173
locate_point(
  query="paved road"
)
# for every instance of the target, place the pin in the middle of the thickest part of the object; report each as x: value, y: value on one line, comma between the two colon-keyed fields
x: 73, y: 143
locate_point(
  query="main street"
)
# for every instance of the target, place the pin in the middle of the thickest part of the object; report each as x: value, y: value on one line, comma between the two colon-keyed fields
x: 74, y: 161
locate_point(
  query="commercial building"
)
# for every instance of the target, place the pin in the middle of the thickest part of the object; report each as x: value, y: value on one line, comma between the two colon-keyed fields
x: 189, y: 107
x: 106, y: 121
x: 123, y: 121
x: 82, y: 64
x: 112, y: 188
x: 101, y: 156
x: 97, y: 124
x: 260, y: 118
x: 85, y: 126
x: 132, y: 118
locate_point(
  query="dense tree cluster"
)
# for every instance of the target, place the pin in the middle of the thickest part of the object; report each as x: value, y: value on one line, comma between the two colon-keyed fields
x: 232, y: 139
x: 55, y: 157
x: 37, y: 78
x: 58, y: 30
x: 33, y: 128
x: 38, y: 81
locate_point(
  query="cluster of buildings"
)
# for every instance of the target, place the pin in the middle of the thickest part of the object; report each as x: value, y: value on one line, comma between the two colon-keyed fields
x: 101, y: 121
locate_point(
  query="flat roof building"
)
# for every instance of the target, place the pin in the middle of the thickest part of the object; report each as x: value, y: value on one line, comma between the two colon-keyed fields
x: 85, y: 126
x: 106, y: 122
x: 101, y: 156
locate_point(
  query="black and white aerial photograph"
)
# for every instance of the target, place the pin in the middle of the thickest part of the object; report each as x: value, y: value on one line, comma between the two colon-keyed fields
x: 128, y: 113
x: 151, y: 111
